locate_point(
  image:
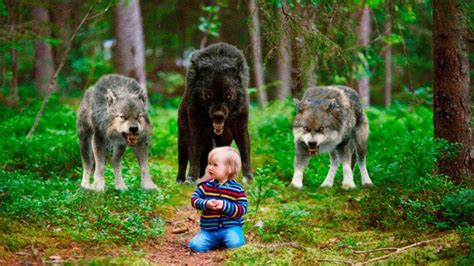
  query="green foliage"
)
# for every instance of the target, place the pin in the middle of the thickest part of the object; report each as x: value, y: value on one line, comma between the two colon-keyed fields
x: 171, y: 81
x: 410, y: 196
x: 54, y: 141
x: 210, y: 23
x: 266, y: 186
x: 61, y: 203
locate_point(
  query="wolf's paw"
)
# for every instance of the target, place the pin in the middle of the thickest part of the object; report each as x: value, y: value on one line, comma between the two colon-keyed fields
x: 347, y: 186
x: 86, y: 186
x: 190, y: 180
x: 297, y: 185
x: 247, y: 179
x: 149, y: 186
x: 367, y: 184
x: 97, y: 187
x: 121, y: 187
x: 325, y: 185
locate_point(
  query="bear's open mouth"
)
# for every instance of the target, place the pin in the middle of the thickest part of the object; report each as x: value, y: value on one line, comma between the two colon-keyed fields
x: 313, y: 150
x: 218, y: 128
x: 130, y: 138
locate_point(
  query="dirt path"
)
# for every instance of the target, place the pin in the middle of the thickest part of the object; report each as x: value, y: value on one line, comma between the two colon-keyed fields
x: 172, y: 247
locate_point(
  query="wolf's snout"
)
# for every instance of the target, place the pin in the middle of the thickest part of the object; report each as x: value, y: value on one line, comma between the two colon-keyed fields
x: 133, y: 129
x: 219, y: 117
x: 313, y: 147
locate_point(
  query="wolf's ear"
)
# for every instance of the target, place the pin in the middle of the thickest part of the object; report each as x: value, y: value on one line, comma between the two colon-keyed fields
x: 142, y: 96
x: 299, y: 105
x: 110, y: 96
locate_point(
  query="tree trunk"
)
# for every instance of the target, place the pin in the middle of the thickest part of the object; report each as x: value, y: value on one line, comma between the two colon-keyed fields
x: 129, y: 47
x: 364, y: 34
x: 61, y: 14
x: 388, y: 59
x: 13, y: 53
x: 257, y: 53
x: 308, y: 54
x: 452, y: 99
x: 44, y: 61
x: 284, y: 64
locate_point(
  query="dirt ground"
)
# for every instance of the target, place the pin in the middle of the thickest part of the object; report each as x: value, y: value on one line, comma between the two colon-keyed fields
x: 181, y: 224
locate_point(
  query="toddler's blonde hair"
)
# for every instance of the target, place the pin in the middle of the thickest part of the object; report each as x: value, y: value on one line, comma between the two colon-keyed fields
x: 230, y: 157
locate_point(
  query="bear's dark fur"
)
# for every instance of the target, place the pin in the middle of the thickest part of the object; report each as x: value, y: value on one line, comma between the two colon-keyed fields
x: 214, y: 110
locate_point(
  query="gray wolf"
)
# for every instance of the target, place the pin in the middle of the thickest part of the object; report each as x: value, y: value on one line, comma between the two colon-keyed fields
x: 331, y: 119
x: 113, y: 115
x: 214, y: 110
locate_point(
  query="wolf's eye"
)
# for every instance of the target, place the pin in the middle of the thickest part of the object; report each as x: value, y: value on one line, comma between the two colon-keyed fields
x: 228, y: 96
x: 139, y: 116
x: 123, y: 117
x: 307, y: 129
x: 321, y: 129
x: 208, y: 96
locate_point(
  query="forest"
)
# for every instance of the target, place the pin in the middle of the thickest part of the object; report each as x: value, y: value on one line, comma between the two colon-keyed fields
x: 408, y: 61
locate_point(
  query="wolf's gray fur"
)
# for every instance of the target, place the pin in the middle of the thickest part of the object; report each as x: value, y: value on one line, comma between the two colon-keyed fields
x: 331, y: 119
x: 112, y: 115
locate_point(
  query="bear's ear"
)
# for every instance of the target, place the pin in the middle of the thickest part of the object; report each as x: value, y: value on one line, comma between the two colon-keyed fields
x: 110, y: 96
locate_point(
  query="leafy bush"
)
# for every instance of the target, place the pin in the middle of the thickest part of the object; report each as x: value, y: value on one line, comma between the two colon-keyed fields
x: 54, y: 141
x: 402, y: 142
x: 115, y: 216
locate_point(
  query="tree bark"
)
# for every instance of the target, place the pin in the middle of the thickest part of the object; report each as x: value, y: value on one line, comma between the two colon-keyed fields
x: 364, y: 30
x: 257, y: 53
x: 14, y: 95
x: 452, y: 99
x: 44, y: 60
x: 388, y: 59
x: 284, y: 64
x: 61, y: 14
x: 129, y: 46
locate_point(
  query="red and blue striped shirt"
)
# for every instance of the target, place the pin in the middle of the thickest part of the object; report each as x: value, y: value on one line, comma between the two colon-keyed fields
x: 235, y: 204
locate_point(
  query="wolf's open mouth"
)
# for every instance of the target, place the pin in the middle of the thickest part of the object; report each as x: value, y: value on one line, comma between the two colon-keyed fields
x: 218, y: 128
x: 130, y: 138
x: 313, y: 150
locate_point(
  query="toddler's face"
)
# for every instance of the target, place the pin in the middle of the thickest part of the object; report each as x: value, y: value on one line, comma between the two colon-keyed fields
x: 218, y: 169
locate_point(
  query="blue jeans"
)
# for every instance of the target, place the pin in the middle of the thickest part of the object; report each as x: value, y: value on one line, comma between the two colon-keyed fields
x: 232, y: 237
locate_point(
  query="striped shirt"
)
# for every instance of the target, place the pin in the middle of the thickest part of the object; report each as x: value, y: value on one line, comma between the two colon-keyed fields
x: 235, y: 204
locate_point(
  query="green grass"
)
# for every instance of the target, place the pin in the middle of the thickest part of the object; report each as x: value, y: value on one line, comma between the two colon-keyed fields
x: 41, y: 200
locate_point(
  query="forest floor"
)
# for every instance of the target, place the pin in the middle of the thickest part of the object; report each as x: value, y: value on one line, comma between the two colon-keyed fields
x: 52, y: 246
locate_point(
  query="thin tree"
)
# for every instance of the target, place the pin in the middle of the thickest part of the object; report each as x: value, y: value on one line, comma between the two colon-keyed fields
x: 13, y: 52
x: 364, y: 30
x: 452, y: 96
x: 129, y: 46
x: 257, y: 53
x: 52, y: 81
x: 44, y: 60
x: 388, y: 58
x: 284, y: 60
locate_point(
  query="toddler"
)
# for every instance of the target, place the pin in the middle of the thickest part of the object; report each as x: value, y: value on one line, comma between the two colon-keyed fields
x: 223, y: 203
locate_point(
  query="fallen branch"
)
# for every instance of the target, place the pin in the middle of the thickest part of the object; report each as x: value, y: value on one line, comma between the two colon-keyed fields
x: 373, y: 250
x: 180, y: 230
x: 53, y: 78
x: 398, y: 250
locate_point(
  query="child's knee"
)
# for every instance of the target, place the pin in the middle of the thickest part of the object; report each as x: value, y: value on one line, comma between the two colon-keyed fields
x: 197, y: 245
x: 234, y: 238
x: 235, y: 243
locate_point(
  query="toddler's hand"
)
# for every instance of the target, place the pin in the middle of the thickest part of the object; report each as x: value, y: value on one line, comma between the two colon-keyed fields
x: 219, y: 205
x: 211, y: 204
